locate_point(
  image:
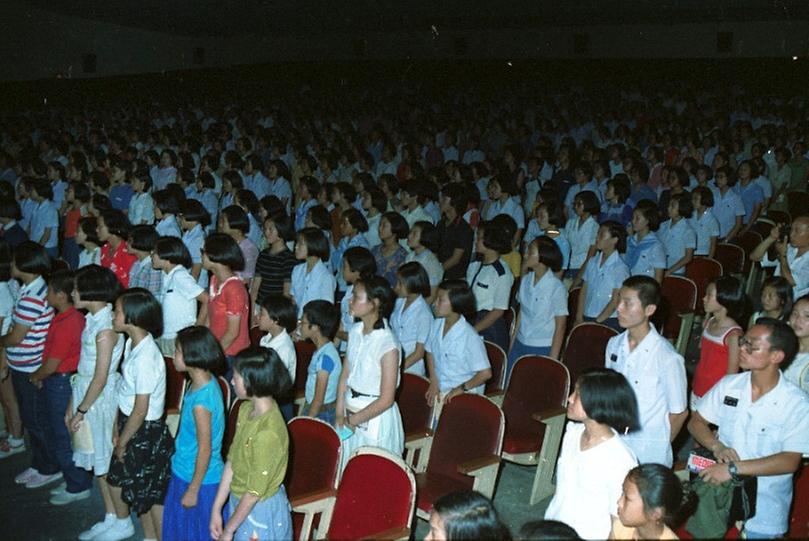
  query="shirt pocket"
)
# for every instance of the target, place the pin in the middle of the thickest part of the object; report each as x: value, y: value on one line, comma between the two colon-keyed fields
x: 766, y: 438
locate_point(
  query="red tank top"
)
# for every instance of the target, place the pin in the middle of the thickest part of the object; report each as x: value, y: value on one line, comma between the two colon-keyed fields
x: 713, y: 360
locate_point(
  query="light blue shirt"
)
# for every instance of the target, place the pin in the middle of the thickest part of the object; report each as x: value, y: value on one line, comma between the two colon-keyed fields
x: 646, y: 255
x: 412, y: 327
x: 751, y: 195
x: 726, y: 208
x: 676, y: 240
x: 458, y: 355
x: 325, y: 359
x: 533, y: 231
x: 705, y: 227
x: 45, y: 216
x: 316, y: 284
x: 601, y: 279
x: 167, y: 227
x: 185, y: 455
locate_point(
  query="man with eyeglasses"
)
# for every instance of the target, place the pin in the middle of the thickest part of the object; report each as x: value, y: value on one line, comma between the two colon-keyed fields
x: 763, y: 424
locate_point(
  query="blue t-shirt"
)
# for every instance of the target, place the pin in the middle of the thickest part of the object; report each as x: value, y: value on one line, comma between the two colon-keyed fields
x: 185, y: 455
x: 120, y: 195
x: 328, y: 360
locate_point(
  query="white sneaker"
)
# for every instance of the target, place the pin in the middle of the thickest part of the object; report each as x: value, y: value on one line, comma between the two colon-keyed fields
x: 11, y: 446
x: 64, y: 498
x: 25, y: 476
x: 98, y: 528
x: 59, y: 489
x: 40, y: 480
x: 121, y: 529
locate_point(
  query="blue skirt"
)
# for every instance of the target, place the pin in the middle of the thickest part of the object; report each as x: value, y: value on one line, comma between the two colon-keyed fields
x: 269, y: 520
x: 181, y: 524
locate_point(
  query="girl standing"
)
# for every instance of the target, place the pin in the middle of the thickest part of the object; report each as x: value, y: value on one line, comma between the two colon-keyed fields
x: 141, y: 463
x: 390, y: 255
x: 644, y: 251
x: 95, y: 386
x: 358, y: 264
x: 606, y: 271
x: 311, y: 279
x: 581, y: 231
x: 704, y: 222
x: 423, y: 243
x: 196, y: 466
x: 650, y: 503
x: 113, y: 230
x: 87, y: 239
x: 679, y: 240
x: 411, y: 318
x: 253, y: 476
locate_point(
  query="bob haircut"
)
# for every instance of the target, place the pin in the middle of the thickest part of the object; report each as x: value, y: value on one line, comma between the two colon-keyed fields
x: 234, y: 178
x: 621, y: 187
x: 549, y: 253
x: 547, y: 529
x: 506, y: 183
x: 282, y: 310
x: 283, y: 224
x: 378, y: 199
x: 646, y: 287
x: 5, y: 261
x: 192, y: 210
x: 730, y: 294
x: 784, y: 291
x: 174, y: 251
x: 356, y: 219
x: 263, y: 372
x: 31, y: 257
x: 346, y: 189
x: 117, y: 223
x: 429, y: 235
x: 616, y: 231
x: 648, y: 209
x: 143, y: 237
x: 659, y: 488
x: 9, y: 208
x: 684, y: 207
x: 324, y: 315
x: 320, y: 217
x: 461, y: 298
x: 554, y: 209
x: 360, y: 260
x: 458, y: 199
x: 142, y: 310
x: 469, y: 515
x: 495, y: 236
x: 89, y: 226
x: 166, y: 202
x: 415, y: 278
x: 378, y: 289
x: 201, y: 349
x: 608, y: 399
x: 248, y: 201
x: 316, y: 242
x: 61, y: 281
x: 95, y: 283
x: 398, y: 225
x: 589, y: 202
x: 221, y: 248
x: 705, y: 196
x: 237, y: 218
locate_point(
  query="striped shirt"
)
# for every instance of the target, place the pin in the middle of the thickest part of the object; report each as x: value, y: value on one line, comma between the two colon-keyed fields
x: 274, y: 270
x: 31, y: 310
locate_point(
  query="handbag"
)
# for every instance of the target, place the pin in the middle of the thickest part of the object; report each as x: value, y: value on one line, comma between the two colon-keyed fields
x: 745, y: 488
x: 83, y: 439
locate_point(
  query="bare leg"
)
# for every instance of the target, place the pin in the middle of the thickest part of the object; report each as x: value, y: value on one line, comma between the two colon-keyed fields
x: 121, y: 508
x: 10, y: 408
x: 157, y: 517
x: 104, y: 488
x: 148, y: 525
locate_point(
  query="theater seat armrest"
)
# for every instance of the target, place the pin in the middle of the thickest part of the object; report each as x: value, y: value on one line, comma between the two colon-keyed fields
x: 416, y: 436
x: 391, y: 535
x: 546, y: 414
x: 474, y: 466
x: 312, y: 500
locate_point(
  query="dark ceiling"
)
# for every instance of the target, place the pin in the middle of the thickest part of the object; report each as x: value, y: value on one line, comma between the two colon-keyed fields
x: 202, y: 18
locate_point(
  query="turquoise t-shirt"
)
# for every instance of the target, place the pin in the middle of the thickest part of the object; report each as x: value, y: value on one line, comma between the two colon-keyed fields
x: 328, y: 360
x: 185, y: 455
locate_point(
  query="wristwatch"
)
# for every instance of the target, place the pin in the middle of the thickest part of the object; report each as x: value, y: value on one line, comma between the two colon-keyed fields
x: 733, y: 470
x: 463, y: 388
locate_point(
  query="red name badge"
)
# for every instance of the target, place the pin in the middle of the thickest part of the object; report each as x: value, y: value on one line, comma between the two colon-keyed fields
x: 697, y: 463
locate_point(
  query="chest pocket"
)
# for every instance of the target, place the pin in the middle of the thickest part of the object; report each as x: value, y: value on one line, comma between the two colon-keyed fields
x: 647, y: 389
x: 482, y: 285
x: 766, y: 436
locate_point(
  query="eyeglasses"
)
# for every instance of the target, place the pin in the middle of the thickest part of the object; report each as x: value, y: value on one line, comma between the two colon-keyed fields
x: 747, y: 345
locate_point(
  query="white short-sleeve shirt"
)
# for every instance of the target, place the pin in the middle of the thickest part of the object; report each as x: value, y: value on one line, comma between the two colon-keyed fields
x: 656, y: 373
x: 141, y: 209
x: 285, y: 348
x: 726, y: 208
x: 798, y: 266
x: 602, y: 278
x: 178, y: 295
x: 676, y: 240
x: 491, y: 283
x: 458, y: 355
x: 776, y: 422
x: 364, y: 357
x: 411, y: 326
x: 144, y: 372
x: 430, y: 262
x: 580, y: 238
x: 319, y: 283
x: 540, y: 304
x: 798, y: 371
x: 705, y: 227
x: 511, y: 207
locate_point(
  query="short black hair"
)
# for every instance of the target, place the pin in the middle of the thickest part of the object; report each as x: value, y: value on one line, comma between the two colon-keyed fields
x: 589, y: 201
x: 360, y: 260
x: 263, y: 372
x: 95, y: 283
x: 730, y: 295
x: 317, y: 244
x: 608, y: 399
x: 320, y: 217
x: 43, y: 188
x: 555, y: 211
x: 282, y: 310
x: 621, y: 187
x: 89, y: 226
x: 648, y: 209
x: 617, y: 231
x: 166, y: 202
x: 660, y: 488
x: 461, y: 298
x: 782, y: 338
x: 9, y: 208
x: 646, y: 287
x: 458, y: 198
x: 415, y: 278
x: 285, y: 227
x: 61, y: 281
x: 379, y: 200
x: 356, y: 219
x: 143, y: 237
x: 201, y: 349
x: 117, y: 223
x: 221, y: 248
x: 325, y: 315
x: 785, y: 292
x: 192, y: 210
x: 31, y: 257
x: 237, y: 218
x: 494, y: 237
x: 398, y: 225
x: 142, y: 310
x: 470, y: 515
x: 549, y: 253
x: 429, y: 237
x: 174, y: 251
x: 5, y: 261
x: 705, y: 196
x: 537, y: 530
x: 684, y: 206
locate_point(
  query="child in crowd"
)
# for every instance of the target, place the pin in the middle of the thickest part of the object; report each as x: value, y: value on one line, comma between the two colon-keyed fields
x: 319, y: 217
x: 251, y: 501
x: 703, y: 222
x: 581, y: 231
x: 166, y: 206
x: 615, y: 206
x: 196, y: 467
x: 366, y: 403
x: 728, y: 206
x: 141, y: 206
x: 247, y: 201
x: 358, y: 264
x: 319, y: 323
x: 423, y: 243
x: 605, y: 272
x: 645, y: 253
x: 594, y: 461
x: 95, y: 387
x: 233, y: 222
x: 275, y: 263
x: 504, y: 198
x: 228, y: 311
x: 454, y: 353
x: 390, y: 255
x: 142, y: 241
x: 87, y: 239
x: 13, y: 443
x: 374, y: 204
x: 306, y: 198
x: 113, y: 231
x: 76, y: 199
x: 465, y: 515
x: 411, y: 317
x: 413, y: 197
x: 141, y: 464
x: 179, y: 292
x: 311, y: 279
x: 44, y: 225
x: 798, y: 370
x: 678, y: 238
x: 194, y: 219
x: 279, y: 319
x: 352, y: 229
x: 548, y: 221
x: 542, y: 297
x: 719, y: 346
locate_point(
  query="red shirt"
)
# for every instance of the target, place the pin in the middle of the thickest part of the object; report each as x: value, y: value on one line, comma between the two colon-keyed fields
x: 229, y: 300
x: 64, y: 340
x: 119, y: 263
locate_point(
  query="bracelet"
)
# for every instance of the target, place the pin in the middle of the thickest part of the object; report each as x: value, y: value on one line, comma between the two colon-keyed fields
x: 79, y: 410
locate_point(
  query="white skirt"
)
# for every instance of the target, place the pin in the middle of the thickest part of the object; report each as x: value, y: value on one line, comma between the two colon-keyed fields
x: 101, y: 417
x: 385, y: 430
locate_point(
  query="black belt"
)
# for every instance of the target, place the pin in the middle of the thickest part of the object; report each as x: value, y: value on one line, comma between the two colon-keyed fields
x: 355, y: 394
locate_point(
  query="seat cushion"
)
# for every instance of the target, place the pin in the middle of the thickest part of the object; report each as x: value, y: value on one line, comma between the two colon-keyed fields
x: 431, y: 486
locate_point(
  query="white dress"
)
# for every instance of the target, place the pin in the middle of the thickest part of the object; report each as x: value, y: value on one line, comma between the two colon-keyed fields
x: 102, y: 413
x: 364, y: 356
